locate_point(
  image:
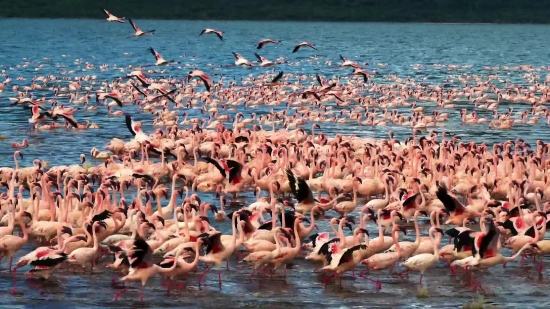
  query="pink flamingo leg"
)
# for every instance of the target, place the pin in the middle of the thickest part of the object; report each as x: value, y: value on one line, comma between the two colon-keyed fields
x: 11, y: 260
x: 204, y: 274
x: 220, y: 277
x: 142, y: 292
x: 117, y: 295
x: 227, y: 264
x: 169, y: 286
x: 377, y: 281
x: 421, y: 275
x: 14, y: 291
x: 252, y: 273
x: 35, y: 285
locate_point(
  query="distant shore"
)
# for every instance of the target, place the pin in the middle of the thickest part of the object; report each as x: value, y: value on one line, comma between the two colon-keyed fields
x: 405, y: 11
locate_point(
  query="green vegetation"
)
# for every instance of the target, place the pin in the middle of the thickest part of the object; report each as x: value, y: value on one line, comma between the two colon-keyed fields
x: 452, y: 11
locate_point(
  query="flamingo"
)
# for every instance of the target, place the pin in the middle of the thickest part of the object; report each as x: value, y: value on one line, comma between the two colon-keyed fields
x: 212, y: 31
x: 424, y: 261
x: 111, y: 17
x: 266, y: 41
x: 160, y: 60
x: 138, y: 31
x: 303, y: 44
x: 10, y: 244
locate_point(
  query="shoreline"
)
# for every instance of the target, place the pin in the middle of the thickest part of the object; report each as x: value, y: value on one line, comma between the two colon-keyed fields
x: 293, y: 21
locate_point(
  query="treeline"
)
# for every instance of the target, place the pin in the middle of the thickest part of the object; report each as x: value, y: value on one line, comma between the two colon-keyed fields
x: 452, y: 11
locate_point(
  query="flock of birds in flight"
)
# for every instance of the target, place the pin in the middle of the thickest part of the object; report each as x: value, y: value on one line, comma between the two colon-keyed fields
x: 87, y: 211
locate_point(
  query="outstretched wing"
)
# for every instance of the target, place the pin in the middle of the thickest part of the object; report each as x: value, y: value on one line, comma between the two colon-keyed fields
x: 299, y: 187
x: 155, y: 53
x: 107, y: 12
x: 136, y: 28
x: 117, y: 100
x: 217, y: 165
x: 235, y: 169
x: 130, y: 124
x: 278, y: 77
x: 102, y: 216
x: 70, y: 120
x: 319, y: 80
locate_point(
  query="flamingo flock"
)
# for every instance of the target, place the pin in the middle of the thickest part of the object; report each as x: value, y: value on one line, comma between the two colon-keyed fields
x: 157, y: 202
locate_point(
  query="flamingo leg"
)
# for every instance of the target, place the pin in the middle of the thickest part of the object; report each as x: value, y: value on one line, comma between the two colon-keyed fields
x: 220, y: 276
x: 169, y: 286
x: 252, y: 273
x: 353, y: 273
x: 327, y: 279
x: 35, y: 285
x: 227, y: 264
x: 204, y: 274
x: 142, y: 292
x: 421, y: 275
x: 11, y: 261
x: 14, y: 291
x: 377, y: 281
x: 117, y: 295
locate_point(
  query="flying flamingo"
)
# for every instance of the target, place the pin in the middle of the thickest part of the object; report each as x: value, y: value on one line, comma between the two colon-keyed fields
x: 200, y: 74
x: 138, y: 31
x: 112, y: 17
x: 212, y: 31
x: 264, y: 42
x: 240, y: 60
x: 263, y: 61
x: 303, y: 44
x: 160, y: 60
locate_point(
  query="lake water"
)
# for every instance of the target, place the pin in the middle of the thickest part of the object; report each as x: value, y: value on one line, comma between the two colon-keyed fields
x: 388, y: 48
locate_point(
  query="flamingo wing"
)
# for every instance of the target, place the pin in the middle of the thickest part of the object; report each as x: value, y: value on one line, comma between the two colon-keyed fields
x: 235, y: 169
x: 347, y: 256
x: 219, y: 34
x: 278, y: 77
x: 207, y: 82
x: 320, y: 80
x: 450, y: 203
x: 130, y: 124
x: 167, y: 95
x: 49, y: 260
x: 70, y: 120
x: 299, y: 187
x: 102, y: 216
x: 136, y: 28
x: 155, y: 53
x: 117, y: 100
x: 139, y: 90
x: 296, y: 48
x: 259, y: 57
x: 107, y: 12
x: 217, y: 165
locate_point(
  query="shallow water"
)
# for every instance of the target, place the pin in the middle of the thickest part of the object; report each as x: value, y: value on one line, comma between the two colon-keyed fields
x: 400, y: 46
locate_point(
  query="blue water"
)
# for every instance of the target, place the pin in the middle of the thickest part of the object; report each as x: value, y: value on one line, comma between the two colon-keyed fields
x: 51, y: 47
